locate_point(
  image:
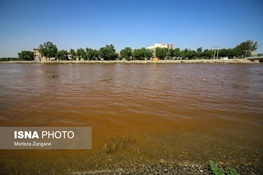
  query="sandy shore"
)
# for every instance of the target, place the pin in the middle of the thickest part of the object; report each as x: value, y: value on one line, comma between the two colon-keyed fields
x: 137, y: 61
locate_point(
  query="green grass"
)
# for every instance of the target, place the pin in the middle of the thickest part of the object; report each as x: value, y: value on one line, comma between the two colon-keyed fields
x: 217, y: 171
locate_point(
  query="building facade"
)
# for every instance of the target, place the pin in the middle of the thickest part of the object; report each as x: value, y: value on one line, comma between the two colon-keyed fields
x: 38, y: 56
x: 161, y: 45
x: 170, y: 46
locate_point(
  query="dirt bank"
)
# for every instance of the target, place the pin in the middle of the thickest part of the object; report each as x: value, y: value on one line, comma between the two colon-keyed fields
x: 138, y: 61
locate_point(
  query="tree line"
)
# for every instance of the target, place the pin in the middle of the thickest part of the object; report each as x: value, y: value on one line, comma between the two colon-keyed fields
x: 108, y: 52
x: 244, y: 49
x: 50, y: 50
x: 22, y: 56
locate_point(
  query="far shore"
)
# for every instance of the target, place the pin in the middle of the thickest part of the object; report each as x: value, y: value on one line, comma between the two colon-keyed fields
x: 133, y: 61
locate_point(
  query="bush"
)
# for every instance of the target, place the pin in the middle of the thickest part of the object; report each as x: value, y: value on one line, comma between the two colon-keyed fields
x: 217, y: 171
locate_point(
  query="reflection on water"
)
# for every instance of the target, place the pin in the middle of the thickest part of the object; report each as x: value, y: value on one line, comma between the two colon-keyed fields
x: 185, y: 113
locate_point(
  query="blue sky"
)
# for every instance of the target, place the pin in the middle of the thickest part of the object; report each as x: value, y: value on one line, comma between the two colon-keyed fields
x: 25, y: 24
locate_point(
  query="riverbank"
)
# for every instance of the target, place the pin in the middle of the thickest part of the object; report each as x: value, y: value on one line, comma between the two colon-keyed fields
x: 134, y: 62
x: 169, y: 168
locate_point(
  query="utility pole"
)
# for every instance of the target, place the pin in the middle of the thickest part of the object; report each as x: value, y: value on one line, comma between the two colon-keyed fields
x: 216, y: 52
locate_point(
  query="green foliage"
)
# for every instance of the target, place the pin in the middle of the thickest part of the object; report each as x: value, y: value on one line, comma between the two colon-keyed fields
x: 207, y: 54
x: 62, y: 55
x: 48, y: 49
x: 225, y: 52
x: 91, y: 54
x: 72, y: 54
x: 217, y: 171
x: 147, y: 53
x: 161, y: 53
x: 244, y: 49
x: 9, y: 59
x: 199, y: 50
x: 184, y: 53
x: 191, y: 54
x: 95, y: 54
x: 81, y: 53
x: 26, y: 55
x: 170, y: 54
x: 126, y: 53
x: 176, y: 52
x: 142, y: 54
x: 108, y: 52
x: 137, y: 54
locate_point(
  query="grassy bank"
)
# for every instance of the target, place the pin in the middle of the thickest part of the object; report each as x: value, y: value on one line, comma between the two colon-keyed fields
x: 133, y: 62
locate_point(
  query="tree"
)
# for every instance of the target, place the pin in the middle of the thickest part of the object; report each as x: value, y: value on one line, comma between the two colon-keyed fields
x: 245, y: 49
x: 62, y: 55
x: 161, y: 52
x: 26, y: 55
x: 176, y: 52
x: 72, y: 54
x: 230, y: 53
x: 81, y: 53
x: 108, y: 52
x: 199, y: 51
x: 207, y: 54
x: 191, y: 54
x: 126, y: 53
x: 184, y: 53
x: 90, y: 54
x: 96, y: 54
x: 9, y: 59
x: 142, y: 54
x: 227, y: 52
x: 48, y: 49
x: 147, y: 53
x: 170, y: 53
x: 137, y: 54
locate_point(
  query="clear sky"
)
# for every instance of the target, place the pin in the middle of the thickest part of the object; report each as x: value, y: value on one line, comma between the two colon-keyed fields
x: 25, y: 24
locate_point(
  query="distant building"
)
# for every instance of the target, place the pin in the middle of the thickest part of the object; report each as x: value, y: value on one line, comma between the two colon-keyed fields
x: 37, y: 55
x: 170, y: 46
x: 160, y: 45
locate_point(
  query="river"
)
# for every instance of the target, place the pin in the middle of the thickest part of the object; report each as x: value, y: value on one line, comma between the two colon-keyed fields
x: 182, y: 113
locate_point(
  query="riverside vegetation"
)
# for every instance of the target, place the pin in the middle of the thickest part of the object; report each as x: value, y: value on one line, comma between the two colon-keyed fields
x: 50, y: 50
x: 122, y: 142
x: 217, y: 171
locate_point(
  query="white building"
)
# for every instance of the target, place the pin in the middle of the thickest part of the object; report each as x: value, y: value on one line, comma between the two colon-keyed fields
x: 161, y: 45
x: 37, y: 55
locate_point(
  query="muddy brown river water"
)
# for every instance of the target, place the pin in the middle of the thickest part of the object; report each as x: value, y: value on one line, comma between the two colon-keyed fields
x: 145, y: 113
